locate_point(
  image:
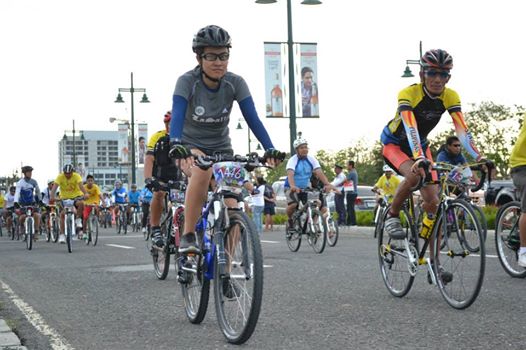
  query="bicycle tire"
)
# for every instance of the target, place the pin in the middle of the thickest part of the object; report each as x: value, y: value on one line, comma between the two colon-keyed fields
x: 397, y: 274
x: 54, y: 230
x: 94, y: 234
x: 70, y: 224
x: 124, y: 218
x: 161, y: 256
x: 12, y: 230
x: 333, y: 232
x: 48, y: 229
x: 194, y: 287
x: 318, y: 238
x: 245, y: 280
x: 118, y: 223
x: 457, y: 256
x: 293, y: 236
x: 482, y: 219
x: 507, y: 241
x: 29, y: 232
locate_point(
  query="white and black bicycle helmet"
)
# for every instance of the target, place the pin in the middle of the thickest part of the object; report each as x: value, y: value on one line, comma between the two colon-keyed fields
x: 438, y: 59
x: 68, y: 168
x: 387, y: 168
x: 211, y: 36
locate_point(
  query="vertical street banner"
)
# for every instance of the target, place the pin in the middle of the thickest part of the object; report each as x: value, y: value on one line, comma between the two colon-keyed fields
x: 142, y: 135
x: 123, y: 143
x: 275, y: 105
x: 307, y: 79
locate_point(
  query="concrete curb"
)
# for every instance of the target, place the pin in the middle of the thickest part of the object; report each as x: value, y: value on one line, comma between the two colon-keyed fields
x: 8, y: 339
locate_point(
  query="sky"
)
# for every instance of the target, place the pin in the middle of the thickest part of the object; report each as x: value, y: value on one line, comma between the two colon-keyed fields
x: 64, y: 60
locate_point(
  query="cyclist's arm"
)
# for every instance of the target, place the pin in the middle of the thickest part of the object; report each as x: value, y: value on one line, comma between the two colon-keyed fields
x: 290, y: 176
x: 179, y: 105
x: 256, y: 126
x: 83, y: 189
x: 320, y: 175
x: 411, y: 129
x: 461, y: 129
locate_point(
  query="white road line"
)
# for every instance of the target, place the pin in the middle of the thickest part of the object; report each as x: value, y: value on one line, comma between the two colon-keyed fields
x: 120, y: 246
x: 268, y: 265
x: 262, y: 241
x: 56, y: 340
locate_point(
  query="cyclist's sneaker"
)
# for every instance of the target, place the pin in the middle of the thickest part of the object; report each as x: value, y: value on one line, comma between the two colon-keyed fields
x: 62, y: 238
x: 445, y: 275
x: 230, y: 289
x: 85, y: 236
x: 144, y: 230
x: 394, y: 227
x: 522, y: 260
x: 157, y: 237
x: 188, y: 244
x: 78, y: 221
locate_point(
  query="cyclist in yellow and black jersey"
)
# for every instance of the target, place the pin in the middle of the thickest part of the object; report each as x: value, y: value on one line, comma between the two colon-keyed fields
x: 420, y: 108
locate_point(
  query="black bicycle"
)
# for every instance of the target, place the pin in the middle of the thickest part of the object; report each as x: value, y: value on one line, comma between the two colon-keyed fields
x: 507, y: 238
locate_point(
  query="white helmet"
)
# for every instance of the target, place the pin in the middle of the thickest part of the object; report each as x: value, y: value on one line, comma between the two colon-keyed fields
x: 299, y: 141
x: 387, y: 168
x: 50, y: 181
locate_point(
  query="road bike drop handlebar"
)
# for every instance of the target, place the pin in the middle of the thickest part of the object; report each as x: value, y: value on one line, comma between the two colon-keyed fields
x: 172, y: 185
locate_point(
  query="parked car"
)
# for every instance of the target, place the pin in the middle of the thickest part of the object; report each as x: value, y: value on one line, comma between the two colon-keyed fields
x: 500, y: 192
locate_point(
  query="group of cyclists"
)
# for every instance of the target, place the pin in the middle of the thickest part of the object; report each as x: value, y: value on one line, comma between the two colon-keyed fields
x: 197, y: 125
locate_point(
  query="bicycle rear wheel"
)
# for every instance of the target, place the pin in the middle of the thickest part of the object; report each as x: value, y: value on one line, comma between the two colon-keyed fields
x: 507, y: 238
x: 333, y: 232
x: 293, y: 235
x: 397, y: 271
x: 238, y: 293
x: 462, y: 254
x: 318, y: 238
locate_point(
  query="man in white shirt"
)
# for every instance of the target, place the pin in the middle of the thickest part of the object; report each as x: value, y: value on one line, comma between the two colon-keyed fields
x: 338, y: 181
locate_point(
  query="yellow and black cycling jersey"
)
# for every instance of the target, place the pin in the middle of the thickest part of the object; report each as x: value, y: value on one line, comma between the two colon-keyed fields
x: 153, y: 141
x: 417, y: 115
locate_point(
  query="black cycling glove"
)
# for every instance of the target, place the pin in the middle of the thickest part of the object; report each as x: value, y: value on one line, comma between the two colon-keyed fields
x: 179, y: 151
x: 274, y: 153
x: 152, y: 184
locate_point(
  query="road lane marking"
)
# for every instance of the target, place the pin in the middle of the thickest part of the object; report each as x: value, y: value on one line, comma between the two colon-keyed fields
x: 56, y: 340
x: 120, y: 246
x: 262, y: 241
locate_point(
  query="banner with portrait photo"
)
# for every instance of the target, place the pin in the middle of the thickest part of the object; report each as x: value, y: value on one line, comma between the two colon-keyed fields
x: 142, y: 142
x: 275, y: 92
x: 306, y: 78
x: 123, y: 143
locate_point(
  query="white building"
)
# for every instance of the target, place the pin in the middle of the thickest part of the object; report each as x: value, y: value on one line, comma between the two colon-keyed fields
x: 96, y: 153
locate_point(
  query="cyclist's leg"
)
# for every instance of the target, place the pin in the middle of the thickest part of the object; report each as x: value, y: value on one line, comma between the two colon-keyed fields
x: 36, y: 216
x: 292, y: 204
x: 156, y: 208
x: 196, y: 193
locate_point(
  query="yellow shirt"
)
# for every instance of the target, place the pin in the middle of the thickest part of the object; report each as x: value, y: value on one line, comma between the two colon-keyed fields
x: 94, y: 195
x: 2, y: 201
x: 69, y: 188
x: 518, y: 153
x: 388, y: 186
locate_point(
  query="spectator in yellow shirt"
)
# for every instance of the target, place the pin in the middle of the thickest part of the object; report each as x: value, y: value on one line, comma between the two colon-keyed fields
x: 387, y: 184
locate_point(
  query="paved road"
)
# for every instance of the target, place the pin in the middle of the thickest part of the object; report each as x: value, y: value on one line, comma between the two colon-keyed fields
x: 107, y: 297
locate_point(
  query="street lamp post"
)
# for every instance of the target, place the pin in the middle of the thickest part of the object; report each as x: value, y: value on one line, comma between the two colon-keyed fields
x: 290, y: 43
x: 239, y: 127
x: 119, y: 99
x: 407, y: 71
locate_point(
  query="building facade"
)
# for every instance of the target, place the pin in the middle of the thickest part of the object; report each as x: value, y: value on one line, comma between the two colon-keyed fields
x: 97, y: 153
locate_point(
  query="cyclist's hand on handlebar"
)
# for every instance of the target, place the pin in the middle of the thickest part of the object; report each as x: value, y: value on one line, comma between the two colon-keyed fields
x: 273, y: 157
x: 179, y: 151
x: 152, y: 184
x: 419, y: 167
x: 294, y: 189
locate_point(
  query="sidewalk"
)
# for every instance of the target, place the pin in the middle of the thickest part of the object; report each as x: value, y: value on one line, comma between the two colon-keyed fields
x: 8, y: 339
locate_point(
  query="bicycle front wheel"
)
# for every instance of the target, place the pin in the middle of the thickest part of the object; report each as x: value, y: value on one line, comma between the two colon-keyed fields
x: 70, y: 226
x: 317, y: 232
x: 29, y: 232
x: 293, y: 235
x: 93, y: 231
x: 333, y: 232
x: 161, y: 255
x: 54, y: 229
x: 397, y: 265
x: 507, y: 238
x: 239, y: 291
x: 459, y: 254
x: 195, y: 287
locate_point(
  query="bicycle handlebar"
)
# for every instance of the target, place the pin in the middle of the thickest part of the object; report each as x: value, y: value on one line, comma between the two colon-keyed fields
x: 172, y: 185
x: 252, y: 160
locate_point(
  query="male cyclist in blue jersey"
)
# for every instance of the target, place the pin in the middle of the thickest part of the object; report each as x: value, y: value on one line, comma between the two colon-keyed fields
x: 133, y: 200
x: 28, y: 194
x: 202, y: 102
x: 120, y: 196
